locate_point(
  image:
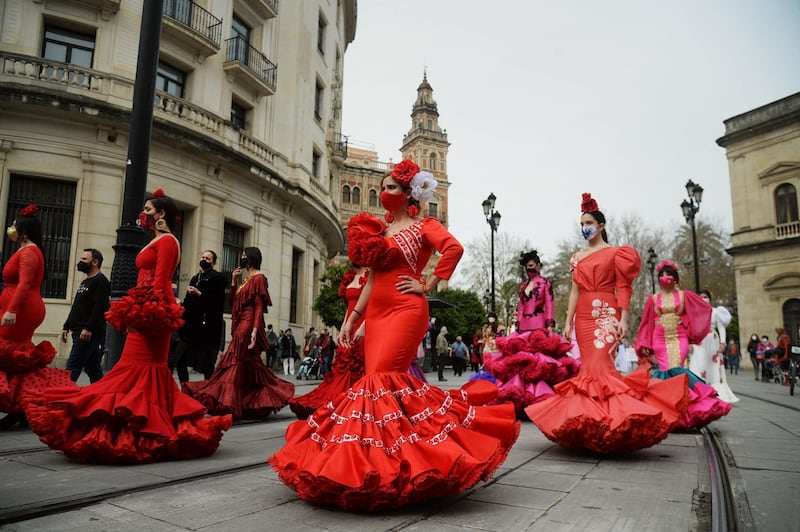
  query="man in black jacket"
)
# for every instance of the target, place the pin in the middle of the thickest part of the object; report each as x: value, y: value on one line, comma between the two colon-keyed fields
x: 86, y: 318
x: 200, y: 338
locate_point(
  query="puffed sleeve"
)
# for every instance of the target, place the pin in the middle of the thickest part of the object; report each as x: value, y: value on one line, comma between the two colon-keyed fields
x: 366, y: 245
x: 696, y: 317
x: 549, y: 304
x: 166, y: 262
x: 446, y: 244
x: 627, y: 265
x: 644, y: 337
x: 29, y: 263
x: 723, y: 317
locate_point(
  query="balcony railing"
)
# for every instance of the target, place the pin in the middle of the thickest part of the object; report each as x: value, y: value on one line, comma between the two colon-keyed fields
x: 239, y: 50
x: 789, y: 230
x: 340, y: 145
x: 195, y: 17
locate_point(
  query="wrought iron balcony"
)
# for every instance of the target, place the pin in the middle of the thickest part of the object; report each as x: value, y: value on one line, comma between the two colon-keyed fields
x: 258, y: 70
x: 193, y: 25
x: 340, y: 145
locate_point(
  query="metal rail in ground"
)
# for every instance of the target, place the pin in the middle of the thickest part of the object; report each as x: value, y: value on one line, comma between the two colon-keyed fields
x: 723, y: 505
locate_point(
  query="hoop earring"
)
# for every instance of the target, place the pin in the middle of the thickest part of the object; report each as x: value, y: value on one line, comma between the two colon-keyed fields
x: 161, y: 225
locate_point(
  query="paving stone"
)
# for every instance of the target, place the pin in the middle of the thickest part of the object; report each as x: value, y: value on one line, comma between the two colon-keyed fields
x: 558, y: 466
x: 535, y: 498
x: 98, y: 518
x: 478, y: 515
x: 540, y: 480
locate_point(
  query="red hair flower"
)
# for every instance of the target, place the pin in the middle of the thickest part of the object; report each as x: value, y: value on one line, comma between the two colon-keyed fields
x: 158, y: 193
x: 30, y: 210
x: 666, y: 263
x: 404, y: 171
x: 588, y: 204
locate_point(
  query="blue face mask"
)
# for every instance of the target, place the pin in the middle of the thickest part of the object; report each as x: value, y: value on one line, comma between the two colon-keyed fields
x: 589, y: 231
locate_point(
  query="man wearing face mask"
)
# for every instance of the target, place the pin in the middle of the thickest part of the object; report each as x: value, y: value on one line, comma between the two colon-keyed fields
x: 200, y: 338
x: 86, y: 318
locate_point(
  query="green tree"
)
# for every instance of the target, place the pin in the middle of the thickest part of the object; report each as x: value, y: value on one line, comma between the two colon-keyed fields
x: 330, y: 307
x: 465, y: 316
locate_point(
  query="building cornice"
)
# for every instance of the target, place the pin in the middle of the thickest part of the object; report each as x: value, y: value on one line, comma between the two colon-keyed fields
x: 763, y: 245
x: 763, y: 119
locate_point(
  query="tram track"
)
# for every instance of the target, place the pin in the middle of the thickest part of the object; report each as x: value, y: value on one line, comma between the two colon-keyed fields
x: 76, y: 502
x: 724, y: 516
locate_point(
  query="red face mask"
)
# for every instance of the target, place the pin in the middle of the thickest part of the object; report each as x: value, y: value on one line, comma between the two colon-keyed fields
x: 393, y: 202
x: 146, y: 221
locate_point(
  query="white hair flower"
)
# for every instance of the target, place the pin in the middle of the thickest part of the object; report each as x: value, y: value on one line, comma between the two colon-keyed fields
x: 422, y: 186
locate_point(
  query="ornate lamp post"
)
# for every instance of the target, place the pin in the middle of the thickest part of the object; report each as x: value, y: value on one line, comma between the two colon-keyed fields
x: 493, y: 219
x: 690, y: 206
x: 651, y: 265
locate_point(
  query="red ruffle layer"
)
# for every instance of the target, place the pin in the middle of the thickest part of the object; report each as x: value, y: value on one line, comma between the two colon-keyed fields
x: 145, y: 309
x: 21, y: 357
x: 704, y: 407
x: 392, y: 440
x: 610, y: 413
x: 348, y: 367
x: 241, y: 386
x: 14, y: 387
x: 149, y: 421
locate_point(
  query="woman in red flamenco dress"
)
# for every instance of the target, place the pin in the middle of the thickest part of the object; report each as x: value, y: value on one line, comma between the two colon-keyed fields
x: 600, y: 410
x: 23, y: 365
x: 348, y: 363
x: 241, y: 384
x: 135, y: 413
x: 672, y: 320
x: 392, y: 440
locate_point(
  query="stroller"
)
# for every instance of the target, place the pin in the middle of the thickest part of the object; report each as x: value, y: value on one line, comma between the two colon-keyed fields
x: 772, y: 371
x: 311, y: 366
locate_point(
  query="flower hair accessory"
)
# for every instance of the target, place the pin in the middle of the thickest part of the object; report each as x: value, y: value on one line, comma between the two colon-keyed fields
x: 30, y: 210
x: 423, y: 184
x: 666, y: 263
x: 158, y: 193
x: 404, y: 171
x: 588, y: 204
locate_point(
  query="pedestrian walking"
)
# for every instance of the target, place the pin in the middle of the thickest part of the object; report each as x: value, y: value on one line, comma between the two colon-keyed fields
x: 288, y: 352
x: 86, y: 321
x: 460, y: 352
x: 442, y: 352
x: 752, y: 348
x: 733, y: 356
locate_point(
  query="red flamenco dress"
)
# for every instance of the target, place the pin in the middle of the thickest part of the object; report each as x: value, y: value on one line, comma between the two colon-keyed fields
x: 348, y: 363
x: 670, y: 323
x: 392, y: 440
x: 241, y: 384
x: 23, y: 365
x: 527, y: 365
x: 135, y: 413
x: 600, y: 410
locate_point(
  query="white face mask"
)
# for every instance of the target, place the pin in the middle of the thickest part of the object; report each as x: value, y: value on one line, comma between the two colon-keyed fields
x: 491, y: 320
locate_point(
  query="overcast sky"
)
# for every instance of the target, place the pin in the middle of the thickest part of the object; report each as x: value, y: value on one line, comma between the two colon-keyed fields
x: 545, y: 100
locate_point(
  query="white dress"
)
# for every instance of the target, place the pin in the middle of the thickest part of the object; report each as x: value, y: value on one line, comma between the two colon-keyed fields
x: 707, y: 361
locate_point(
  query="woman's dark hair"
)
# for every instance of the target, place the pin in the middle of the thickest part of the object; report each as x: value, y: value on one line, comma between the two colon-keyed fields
x: 30, y: 226
x: 600, y: 218
x: 706, y: 292
x: 672, y: 272
x: 529, y: 255
x: 253, y: 257
x: 170, y: 208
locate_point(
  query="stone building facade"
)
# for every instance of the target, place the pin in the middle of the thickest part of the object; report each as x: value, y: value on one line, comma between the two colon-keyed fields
x: 246, y: 133
x: 763, y: 151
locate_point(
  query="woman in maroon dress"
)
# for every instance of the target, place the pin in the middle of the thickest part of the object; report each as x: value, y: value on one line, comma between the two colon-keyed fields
x: 242, y: 385
x: 23, y: 365
x: 136, y: 413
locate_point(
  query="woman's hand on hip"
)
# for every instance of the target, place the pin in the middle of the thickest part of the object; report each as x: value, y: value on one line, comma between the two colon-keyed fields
x: 409, y: 285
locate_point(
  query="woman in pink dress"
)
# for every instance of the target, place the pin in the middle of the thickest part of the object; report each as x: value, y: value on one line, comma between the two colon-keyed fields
x: 600, y: 410
x: 135, y: 413
x: 529, y: 361
x: 23, y: 365
x: 672, y: 320
x: 241, y: 384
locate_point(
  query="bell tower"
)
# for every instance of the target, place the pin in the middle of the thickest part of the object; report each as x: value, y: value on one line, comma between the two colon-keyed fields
x: 426, y: 144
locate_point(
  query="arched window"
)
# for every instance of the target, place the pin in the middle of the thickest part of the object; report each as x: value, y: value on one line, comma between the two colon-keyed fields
x: 356, y: 196
x: 791, y: 318
x: 345, y: 194
x: 430, y: 124
x: 432, y: 161
x: 786, y: 204
x: 373, y: 198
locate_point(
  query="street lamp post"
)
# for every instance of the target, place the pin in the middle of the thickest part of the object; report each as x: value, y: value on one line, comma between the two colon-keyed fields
x: 651, y: 264
x: 493, y: 219
x: 690, y: 206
